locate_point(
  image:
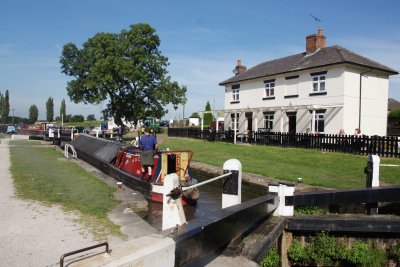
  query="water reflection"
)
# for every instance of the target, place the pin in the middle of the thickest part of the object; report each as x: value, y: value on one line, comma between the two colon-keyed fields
x: 210, y: 200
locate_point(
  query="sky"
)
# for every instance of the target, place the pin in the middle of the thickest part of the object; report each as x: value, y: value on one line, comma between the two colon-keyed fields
x: 202, y: 40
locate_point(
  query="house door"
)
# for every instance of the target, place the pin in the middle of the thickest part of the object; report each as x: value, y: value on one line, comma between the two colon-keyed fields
x: 292, y: 122
x: 249, y: 117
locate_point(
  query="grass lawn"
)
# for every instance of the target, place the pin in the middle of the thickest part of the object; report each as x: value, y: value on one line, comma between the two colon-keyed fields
x: 42, y: 174
x: 328, y: 169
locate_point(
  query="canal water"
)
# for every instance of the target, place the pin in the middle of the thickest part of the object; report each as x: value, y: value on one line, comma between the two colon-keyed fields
x: 210, y: 199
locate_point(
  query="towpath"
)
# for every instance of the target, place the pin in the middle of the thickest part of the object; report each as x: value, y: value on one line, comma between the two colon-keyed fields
x: 33, y: 234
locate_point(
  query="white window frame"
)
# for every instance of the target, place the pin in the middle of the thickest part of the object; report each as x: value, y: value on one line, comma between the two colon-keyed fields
x: 319, y: 83
x: 235, y: 94
x: 269, y: 89
x: 269, y: 121
x: 319, y: 118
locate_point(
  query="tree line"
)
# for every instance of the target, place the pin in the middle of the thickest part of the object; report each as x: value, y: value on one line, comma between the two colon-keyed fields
x: 5, y: 117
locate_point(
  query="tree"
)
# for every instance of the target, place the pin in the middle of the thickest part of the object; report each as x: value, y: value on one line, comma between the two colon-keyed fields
x: 63, y: 111
x: 194, y: 115
x: 4, y: 107
x: 394, y: 114
x: 33, y: 114
x: 126, y: 69
x: 207, y: 116
x: 50, y: 109
x: 90, y: 117
x: 1, y: 107
x: 77, y: 118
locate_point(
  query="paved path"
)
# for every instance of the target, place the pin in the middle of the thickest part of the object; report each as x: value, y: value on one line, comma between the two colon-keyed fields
x: 32, y: 234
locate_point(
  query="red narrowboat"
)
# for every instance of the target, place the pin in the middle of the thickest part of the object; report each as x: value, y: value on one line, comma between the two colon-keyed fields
x: 165, y: 162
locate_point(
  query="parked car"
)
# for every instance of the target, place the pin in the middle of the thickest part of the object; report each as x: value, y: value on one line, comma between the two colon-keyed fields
x: 164, y: 123
x: 11, y: 130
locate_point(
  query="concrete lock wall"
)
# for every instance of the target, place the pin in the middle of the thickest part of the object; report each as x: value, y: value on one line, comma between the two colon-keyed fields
x: 147, y: 251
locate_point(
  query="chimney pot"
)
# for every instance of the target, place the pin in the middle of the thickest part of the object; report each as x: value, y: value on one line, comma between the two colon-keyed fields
x: 238, y: 62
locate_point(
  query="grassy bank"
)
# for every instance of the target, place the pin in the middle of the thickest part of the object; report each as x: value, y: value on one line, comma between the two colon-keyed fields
x: 318, y: 168
x: 42, y: 174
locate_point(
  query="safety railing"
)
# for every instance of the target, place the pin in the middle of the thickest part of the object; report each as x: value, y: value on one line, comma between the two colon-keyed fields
x: 82, y: 250
x: 66, y: 151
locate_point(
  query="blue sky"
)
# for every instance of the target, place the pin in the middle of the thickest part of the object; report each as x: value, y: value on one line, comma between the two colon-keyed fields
x: 202, y: 39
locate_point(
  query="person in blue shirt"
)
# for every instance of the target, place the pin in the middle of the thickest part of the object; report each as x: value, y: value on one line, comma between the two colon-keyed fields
x: 148, y: 144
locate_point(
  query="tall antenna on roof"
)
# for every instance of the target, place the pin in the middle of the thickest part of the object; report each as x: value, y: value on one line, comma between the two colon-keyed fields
x: 315, y: 18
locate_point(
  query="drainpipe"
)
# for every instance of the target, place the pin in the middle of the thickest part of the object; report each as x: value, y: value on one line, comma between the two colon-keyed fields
x: 359, y: 104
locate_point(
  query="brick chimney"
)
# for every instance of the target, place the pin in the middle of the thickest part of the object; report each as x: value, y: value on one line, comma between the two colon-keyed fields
x: 239, y: 68
x: 315, y: 42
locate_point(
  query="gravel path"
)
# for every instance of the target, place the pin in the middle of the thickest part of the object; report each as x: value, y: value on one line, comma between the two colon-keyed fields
x: 32, y: 234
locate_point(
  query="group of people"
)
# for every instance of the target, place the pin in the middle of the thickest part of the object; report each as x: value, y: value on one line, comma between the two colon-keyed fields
x: 357, y: 132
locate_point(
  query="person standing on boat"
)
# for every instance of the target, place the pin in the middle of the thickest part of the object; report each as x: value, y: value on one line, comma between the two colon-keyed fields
x: 148, y: 144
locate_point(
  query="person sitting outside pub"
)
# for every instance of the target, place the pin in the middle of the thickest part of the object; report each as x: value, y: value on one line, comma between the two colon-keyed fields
x: 148, y: 144
x: 357, y: 143
x: 342, y: 141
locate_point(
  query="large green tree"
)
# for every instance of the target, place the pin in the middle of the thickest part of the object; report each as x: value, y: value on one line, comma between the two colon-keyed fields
x: 4, y: 107
x: 33, y: 114
x: 50, y: 109
x: 127, y: 70
x: 207, y: 114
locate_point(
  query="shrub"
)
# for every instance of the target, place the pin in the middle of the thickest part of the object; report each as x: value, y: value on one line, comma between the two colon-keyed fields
x: 308, y: 210
x: 393, y: 252
x: 297, y: 254
x: 361, y: 254
x: 324, y: 250
x: 272, y: 259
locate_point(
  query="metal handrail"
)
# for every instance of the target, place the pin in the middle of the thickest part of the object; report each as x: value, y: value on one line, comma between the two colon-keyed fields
x: 206, y: 182
x: 67, y: 146
x: 82, y: 250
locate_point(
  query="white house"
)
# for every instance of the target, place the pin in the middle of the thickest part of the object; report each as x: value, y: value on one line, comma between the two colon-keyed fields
x: 324, y: 89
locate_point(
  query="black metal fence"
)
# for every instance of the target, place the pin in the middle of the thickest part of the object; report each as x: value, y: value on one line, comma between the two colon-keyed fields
x: 384, y: 146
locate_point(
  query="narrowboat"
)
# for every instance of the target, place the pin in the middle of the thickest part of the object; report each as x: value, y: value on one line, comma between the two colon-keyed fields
x: 165, y: 162
x: 123, y: 164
